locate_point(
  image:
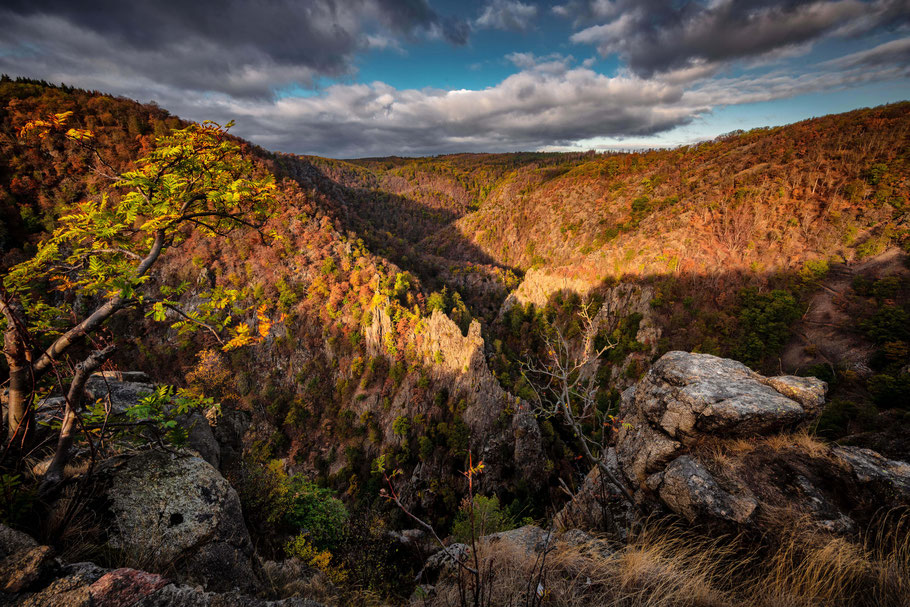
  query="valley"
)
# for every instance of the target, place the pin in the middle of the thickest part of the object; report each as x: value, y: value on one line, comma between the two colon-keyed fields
x: 651, y: 355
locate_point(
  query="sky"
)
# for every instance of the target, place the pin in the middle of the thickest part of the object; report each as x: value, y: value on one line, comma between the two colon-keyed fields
x: 357, y: 78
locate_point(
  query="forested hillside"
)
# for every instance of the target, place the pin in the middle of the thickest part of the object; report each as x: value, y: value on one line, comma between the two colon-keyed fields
x: 404, y: 301
x: 735, y: 236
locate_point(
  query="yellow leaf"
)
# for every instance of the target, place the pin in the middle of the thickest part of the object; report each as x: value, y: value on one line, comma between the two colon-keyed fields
x: 264, y: 328
x: 79, y: 134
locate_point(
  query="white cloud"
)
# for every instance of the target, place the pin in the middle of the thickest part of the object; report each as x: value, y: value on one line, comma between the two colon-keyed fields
x: 893, y: 52
x: 550, y: 101
x: 507, y: 15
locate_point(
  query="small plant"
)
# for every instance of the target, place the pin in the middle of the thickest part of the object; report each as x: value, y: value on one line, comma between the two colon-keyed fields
x: 401, y: 427
x: 323, y: 560
x: 16, y: 500
x: 475, y: 584
x: 488, y: 517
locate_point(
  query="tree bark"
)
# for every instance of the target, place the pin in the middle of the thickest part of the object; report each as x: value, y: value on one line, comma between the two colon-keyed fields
x: 19, y: 413
x: 54, y: 474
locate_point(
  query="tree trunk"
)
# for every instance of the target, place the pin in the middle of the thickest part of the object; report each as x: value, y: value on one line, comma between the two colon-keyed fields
x: 20, y: 423
x: 54, y: 474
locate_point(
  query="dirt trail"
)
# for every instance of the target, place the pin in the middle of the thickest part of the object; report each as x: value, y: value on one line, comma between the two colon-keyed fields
x: 829, y: 331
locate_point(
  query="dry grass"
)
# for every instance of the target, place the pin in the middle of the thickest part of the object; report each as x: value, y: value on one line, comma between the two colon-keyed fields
x: 813, y: 569
x: 728, y: 449
x: 803, y: 440
x: 666, y: 566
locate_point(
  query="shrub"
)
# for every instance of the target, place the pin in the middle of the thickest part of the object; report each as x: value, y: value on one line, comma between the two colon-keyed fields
x: 301, y: 547
x: 489, y: 517
x: 886, y: 288
x: 397, y: 372
x: 889, y: 323
x: 813, y: 271
x: 839, y: 415
x: 890, y: 390
x: 401, y: 426
x: 458, y: 436
x: 764, y: 320
x: 424, y: 448
x: 316, y: 511
x: 436, y: 301
x: 275, y: 501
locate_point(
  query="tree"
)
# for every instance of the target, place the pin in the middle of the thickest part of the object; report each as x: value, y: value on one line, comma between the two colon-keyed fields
x: 57, y: 305
x: 564, y: 383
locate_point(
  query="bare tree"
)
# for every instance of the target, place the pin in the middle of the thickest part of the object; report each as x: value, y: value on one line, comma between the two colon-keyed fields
x: 565, y: 385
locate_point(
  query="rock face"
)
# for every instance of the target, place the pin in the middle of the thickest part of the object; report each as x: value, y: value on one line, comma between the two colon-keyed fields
x: 460, y: 359
x: 538, y: 286
x: 598, y: 504
x: 686, y: 397
x: 120, y: 390
x: 886, y: 477
x: 23, y: 563
x: 503, y: 432
x: 688, y: 489
x: 713, y: 441
x: 177, y: 513
x: 123, y: 389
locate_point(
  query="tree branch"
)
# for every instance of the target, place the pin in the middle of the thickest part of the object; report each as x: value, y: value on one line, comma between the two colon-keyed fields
x: 96, y: 318
x: 54, y: 474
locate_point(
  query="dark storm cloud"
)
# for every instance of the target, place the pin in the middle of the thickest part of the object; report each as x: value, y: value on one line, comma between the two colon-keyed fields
x: 655, y: 36
x: 234, y: 46
x: 226, y: 60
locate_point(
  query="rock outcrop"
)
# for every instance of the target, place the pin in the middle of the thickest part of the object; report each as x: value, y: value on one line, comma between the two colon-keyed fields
x: 178, y: 514
x: 538, y: 286
x: 686, y: 398
x: 219, y: 444
x: 718, y: 444
x: 689, y: 489
x: 22, y: 561
x: 504, y: 432
x: 120, y: 389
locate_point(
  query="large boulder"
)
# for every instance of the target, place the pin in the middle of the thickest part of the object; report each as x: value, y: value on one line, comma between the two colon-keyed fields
x: 718, y: 444
x: 690, y: 490
x: 228, y: 432
x: 200, y: 437
x: 23, y: 563
x: 32, y: 578
x: 177, y: 514
x: 529, y: 538
x: 688, y: 395
x: 13, y: 541
x: 69, y: 589
x: 887, y: 478
x: 119, y: 390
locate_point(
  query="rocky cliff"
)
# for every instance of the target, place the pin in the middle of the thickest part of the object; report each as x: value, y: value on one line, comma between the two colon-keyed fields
x: 710, y: 440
